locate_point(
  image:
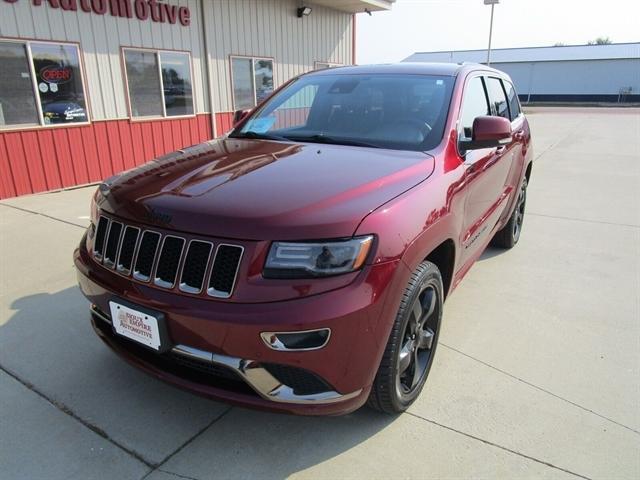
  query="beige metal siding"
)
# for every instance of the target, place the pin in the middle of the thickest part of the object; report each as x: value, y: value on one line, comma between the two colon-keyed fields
x: 270, y: 28
x: 101, y: 38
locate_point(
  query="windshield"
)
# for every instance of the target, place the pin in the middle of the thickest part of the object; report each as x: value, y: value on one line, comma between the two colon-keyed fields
x: 402, y: 112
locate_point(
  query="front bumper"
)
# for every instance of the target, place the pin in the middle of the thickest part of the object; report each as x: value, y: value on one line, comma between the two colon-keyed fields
x: 225, y: 337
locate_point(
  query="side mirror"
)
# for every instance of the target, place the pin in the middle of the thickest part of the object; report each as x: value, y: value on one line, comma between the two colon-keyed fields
x: 239, y: 115
x: 488, y: 132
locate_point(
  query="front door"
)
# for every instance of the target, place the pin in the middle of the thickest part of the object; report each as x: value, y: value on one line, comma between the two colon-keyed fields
x: 486, y: 170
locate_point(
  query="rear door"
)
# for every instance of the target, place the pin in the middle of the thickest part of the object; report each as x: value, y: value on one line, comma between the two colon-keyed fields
x: 487, y: 170
x: 518, y: 126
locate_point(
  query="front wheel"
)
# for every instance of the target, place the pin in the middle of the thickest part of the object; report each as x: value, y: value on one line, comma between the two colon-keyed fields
x: 412, y: 344
x: 510, y: 233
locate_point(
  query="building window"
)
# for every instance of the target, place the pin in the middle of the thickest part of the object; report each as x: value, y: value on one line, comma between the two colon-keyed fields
x: 41, y: 84
x: 252, y: 80
x: 159, y: 83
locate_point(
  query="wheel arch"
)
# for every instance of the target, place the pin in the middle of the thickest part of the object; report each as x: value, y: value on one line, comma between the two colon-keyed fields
x: 444, y: 257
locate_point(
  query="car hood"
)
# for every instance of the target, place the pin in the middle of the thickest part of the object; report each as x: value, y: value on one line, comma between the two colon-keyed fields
x: 261, y: 190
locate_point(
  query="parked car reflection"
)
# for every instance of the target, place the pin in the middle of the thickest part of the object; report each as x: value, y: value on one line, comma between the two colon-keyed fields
x: 63, y: 111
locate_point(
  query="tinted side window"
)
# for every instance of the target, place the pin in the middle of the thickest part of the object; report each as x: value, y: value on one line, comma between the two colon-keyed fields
x: 474, y: 104
x: 497, y: 98
x: 514, y: 104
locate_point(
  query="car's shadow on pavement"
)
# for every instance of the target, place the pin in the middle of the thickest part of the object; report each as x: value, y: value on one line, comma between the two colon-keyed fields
x: 491, y: 252
x: 48, y: 343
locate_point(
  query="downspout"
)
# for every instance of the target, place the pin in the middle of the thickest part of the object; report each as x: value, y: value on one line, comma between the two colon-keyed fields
x: 208, y: 68
x: 353, y: 39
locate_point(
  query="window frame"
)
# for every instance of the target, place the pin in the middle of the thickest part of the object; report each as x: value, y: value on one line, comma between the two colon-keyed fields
x: 157, y: 52
x: 34, y: 85
x: 459, y: 126
x: 520, y: 113
x: 494, y: 111
x: 253, y: 59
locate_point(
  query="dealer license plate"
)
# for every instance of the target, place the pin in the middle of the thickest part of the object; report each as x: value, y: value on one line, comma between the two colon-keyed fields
x: 138, y: 326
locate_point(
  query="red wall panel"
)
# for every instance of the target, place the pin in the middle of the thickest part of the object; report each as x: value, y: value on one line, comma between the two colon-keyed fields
x: 80, y: 169
x: 224, y: 122
x: 13, y: 144
x: 50, y: 158
x: 63, y: 155
x: 6, y: 176
x: 32, y: 150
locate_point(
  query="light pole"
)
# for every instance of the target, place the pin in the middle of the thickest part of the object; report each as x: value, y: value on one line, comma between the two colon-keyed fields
x: 493, y: 4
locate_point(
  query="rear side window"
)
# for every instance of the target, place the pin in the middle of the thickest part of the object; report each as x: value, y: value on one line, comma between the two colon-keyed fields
x: 514, y: 104
x: 474, y: 104
x: 497, y: 97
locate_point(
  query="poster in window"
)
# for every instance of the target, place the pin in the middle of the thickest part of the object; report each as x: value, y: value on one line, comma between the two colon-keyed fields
x: 59, y: 81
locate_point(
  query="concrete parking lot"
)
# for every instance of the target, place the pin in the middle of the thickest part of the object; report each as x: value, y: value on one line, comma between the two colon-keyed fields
x: 537, y: 373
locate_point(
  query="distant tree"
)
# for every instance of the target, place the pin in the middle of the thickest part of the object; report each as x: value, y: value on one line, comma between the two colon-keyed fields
x: 600, y: 41
x: 559, y: 44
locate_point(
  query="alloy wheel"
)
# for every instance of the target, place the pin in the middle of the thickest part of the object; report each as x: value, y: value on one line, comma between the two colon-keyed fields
x: 418, y: 341
x: 519, y: 211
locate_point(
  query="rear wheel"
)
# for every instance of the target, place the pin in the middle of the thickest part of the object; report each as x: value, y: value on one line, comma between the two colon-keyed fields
x: 510, y: 233
x: 412, y: 344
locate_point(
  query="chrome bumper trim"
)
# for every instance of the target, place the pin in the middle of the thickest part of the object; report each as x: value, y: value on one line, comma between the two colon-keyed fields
x: 98, y: 313
x: 272, y: 340
x: 258, y: 378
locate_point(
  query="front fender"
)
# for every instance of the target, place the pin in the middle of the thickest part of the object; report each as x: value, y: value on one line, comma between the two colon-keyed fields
x: 413, y: 224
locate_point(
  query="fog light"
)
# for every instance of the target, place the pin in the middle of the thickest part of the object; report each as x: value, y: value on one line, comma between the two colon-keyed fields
x: 297, y: 341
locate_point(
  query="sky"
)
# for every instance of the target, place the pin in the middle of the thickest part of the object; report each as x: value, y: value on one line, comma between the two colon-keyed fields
x: 434, y: 25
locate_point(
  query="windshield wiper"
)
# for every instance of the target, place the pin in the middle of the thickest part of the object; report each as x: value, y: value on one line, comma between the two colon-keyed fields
x: 259, y: 136
x: 321, y: 138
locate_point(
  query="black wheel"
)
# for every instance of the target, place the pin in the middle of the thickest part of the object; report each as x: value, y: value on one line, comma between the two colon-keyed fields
x: 510, y: 233
x: 412, y: 344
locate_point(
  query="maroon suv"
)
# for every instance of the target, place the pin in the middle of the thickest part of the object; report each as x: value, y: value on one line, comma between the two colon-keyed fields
x: 301, y: 262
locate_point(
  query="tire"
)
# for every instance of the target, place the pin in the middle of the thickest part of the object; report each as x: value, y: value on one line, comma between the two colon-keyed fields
x: 510, y: 233
x: 397, y: 383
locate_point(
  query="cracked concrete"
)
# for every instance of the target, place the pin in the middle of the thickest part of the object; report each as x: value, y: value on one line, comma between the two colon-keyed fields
x: 537, y: 375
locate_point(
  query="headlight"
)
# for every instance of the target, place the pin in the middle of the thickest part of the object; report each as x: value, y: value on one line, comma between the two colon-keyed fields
x: 93, y: 216
x: 94, y: 208
x: 316, y: 259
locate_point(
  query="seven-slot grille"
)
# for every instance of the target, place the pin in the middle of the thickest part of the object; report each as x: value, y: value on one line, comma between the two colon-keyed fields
x: 167, y: 260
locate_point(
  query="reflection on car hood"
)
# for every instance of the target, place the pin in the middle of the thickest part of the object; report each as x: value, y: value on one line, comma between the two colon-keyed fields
x: 257, y: 189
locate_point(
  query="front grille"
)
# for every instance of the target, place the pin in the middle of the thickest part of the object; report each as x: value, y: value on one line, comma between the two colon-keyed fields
x: 301, y: 381
x: 224, y: 270
x: 195, y: 266
x: 127, y: 249
x: 113, y: 241
x: 148, y: 254
x: 170, y: 254
x: 101, y: 233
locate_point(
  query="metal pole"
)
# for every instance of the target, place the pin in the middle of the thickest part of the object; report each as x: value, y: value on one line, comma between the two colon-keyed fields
x: 490, y: 33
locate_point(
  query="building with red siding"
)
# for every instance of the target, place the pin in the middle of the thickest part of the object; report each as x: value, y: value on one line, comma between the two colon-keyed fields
x: 89, y: 88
